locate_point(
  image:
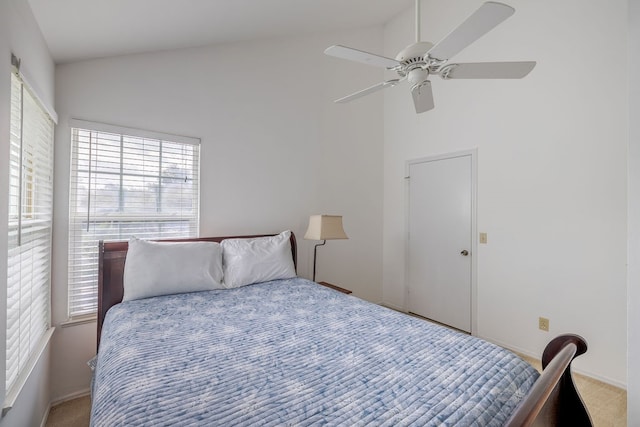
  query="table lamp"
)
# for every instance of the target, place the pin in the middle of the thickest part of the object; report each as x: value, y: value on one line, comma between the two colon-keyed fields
x: 324, y: 227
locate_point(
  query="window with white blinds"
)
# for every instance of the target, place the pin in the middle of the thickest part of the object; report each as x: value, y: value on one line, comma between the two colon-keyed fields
x: 125, y: 182
x: 29, y: 231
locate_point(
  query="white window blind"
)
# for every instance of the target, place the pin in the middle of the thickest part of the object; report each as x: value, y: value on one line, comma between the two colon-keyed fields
x: 125, y: 182
x: 30, y: 224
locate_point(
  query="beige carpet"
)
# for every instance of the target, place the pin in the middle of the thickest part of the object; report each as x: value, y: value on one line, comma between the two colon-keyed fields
x: 72, y: 413
x: 607, y: 405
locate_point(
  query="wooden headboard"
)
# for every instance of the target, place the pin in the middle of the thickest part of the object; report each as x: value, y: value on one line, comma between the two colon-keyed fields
x: 111, y: 258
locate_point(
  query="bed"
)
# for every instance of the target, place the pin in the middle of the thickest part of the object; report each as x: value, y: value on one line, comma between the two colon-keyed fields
x: 289, y: 352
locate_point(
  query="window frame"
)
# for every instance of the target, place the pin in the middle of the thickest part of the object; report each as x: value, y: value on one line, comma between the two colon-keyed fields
x: 82, y: 298
x: 30, y: 227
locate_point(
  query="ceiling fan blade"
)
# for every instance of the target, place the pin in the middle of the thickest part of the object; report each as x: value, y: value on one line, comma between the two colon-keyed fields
x: 488, y: 70
x: 361, y: 56
x: 367, y: 91
x: 422, y: 97
x: 483, y: 20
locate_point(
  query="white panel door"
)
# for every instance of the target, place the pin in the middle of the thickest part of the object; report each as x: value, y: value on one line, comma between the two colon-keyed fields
x: 440, y: 240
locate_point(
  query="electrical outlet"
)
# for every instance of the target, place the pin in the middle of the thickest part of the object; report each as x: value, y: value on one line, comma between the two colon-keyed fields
x: 543, y: 324
x: 483, y: 237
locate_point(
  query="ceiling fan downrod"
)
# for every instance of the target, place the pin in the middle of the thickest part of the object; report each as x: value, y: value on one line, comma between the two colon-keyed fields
x: 418, y: 35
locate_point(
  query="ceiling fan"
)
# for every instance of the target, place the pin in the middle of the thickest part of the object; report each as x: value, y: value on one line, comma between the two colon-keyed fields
x: 418, y: 61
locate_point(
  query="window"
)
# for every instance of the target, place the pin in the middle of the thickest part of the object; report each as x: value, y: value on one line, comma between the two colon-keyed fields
x: 30, y: 224
x: 125, y: 182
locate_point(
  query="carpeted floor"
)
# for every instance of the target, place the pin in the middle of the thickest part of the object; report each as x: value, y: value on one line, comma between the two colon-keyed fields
x: 607, y: 405
x: 72, y: 413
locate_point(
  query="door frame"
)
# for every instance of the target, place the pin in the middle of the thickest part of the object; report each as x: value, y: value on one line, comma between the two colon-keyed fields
x: 474, y: 232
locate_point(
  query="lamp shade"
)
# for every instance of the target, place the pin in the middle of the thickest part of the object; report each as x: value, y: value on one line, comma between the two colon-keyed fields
x: 325, y: 227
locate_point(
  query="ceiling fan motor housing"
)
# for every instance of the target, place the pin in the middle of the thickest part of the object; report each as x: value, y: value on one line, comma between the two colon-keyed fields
x: 414, y: 66
x: 414, y: 53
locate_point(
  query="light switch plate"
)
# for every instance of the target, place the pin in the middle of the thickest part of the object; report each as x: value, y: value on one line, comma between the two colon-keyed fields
x: 483, y: 238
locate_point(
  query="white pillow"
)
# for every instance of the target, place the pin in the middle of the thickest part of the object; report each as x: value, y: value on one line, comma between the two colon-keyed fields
x: 162, y: 268
x: 260, y: 259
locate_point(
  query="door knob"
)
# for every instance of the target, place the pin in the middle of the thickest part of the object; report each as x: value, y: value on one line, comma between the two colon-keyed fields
x: 464, y: 252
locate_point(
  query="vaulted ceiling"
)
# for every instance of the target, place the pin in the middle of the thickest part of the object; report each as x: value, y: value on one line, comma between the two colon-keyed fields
x: 83, y: 29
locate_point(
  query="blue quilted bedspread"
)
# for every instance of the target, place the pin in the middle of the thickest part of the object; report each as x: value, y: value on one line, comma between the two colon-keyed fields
x: 293, y: 353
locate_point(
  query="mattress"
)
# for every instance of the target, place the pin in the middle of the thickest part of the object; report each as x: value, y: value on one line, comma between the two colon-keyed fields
x: 294, y: 353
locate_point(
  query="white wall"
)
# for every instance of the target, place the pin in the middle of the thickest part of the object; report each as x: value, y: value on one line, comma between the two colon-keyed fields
x: 633, y: 300
x: 551, y: 171
x: 275, y: 150
x: 20, y: 34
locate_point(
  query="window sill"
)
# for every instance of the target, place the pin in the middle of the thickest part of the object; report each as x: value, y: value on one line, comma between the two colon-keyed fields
x: 81, y: 320
x: 14, y: 391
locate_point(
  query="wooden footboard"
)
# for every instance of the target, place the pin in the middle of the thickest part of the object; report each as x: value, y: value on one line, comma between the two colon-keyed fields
x: 554, y: 400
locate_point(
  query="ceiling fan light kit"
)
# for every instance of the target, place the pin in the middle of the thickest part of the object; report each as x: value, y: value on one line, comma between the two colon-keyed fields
x: 418, y: 61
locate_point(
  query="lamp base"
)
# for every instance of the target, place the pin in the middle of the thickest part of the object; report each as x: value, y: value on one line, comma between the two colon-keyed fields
x: 315, y: 255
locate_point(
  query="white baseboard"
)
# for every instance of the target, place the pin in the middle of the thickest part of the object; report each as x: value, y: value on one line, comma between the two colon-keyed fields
x: 71, y: 396
x: 392, y: 307
x: 46, y: 416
